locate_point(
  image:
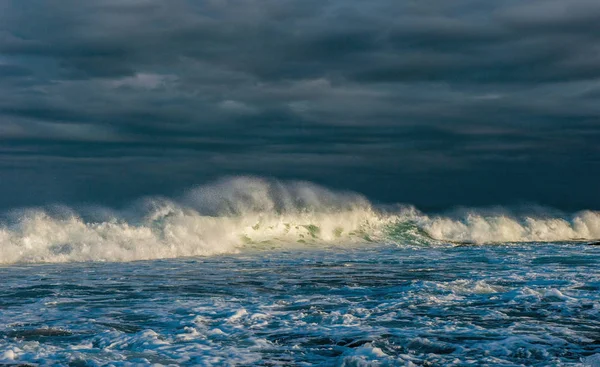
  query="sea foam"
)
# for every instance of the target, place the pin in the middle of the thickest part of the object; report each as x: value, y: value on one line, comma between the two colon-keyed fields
x: 235, y: 214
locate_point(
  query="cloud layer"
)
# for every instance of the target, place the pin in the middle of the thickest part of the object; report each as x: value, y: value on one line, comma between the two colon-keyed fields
x: 435, y: 103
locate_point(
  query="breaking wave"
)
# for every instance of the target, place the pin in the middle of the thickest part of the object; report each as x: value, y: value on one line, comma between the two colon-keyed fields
x: 246, y: 212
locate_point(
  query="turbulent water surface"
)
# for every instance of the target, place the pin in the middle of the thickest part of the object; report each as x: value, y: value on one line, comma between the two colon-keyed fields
x: 379, y: 305
x: 252, y: 272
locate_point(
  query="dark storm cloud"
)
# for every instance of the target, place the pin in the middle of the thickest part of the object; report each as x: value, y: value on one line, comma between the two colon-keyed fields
x: 407, y: 100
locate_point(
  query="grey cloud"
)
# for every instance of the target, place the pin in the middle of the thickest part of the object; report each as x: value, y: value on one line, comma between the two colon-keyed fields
x: 412, y: 92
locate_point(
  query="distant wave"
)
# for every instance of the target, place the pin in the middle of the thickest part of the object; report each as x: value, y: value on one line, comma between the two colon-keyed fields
x: 234, y: 214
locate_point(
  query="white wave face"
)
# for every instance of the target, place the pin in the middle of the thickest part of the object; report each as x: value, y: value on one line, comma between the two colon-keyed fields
x: 479, y: 228
x: 234, y: 214
x: 215, y: 219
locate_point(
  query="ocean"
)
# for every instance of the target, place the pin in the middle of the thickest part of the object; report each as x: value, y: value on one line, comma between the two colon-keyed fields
x: 252, y: 272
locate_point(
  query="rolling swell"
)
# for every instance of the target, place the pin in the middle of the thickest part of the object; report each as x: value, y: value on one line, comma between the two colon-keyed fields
x: 245, y: 212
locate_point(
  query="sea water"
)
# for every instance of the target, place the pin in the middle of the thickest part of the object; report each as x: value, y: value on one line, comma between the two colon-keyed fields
x: 249, y: 272
x: 381, y: 305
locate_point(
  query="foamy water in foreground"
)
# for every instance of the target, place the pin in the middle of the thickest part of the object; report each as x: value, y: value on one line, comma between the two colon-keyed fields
x: 380, y: 305
x: 248, y: 271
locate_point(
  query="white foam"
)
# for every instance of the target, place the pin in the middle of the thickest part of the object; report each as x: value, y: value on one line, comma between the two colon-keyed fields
x: 479, y: 228
x: 369, y: 356
x: 231, y: 215
x: 8, y: 355
x: 214, y: 219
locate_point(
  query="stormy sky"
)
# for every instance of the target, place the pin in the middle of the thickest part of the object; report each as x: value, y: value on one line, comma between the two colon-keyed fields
x: 436, y: 103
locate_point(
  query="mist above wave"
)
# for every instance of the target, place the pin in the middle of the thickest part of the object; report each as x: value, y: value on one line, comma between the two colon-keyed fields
x: 230, y: 215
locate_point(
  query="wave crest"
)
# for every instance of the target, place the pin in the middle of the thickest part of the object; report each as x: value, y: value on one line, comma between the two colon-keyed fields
x: 235, y: 214
x: 497, y: 228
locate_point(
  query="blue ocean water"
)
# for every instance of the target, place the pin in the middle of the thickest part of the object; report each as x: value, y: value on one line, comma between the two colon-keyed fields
x: 252, y: 272
x: 359, y: 305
